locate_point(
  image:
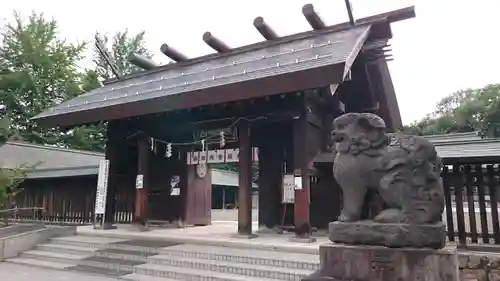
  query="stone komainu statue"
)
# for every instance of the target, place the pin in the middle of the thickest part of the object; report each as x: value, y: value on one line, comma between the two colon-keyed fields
x: 404, y: 172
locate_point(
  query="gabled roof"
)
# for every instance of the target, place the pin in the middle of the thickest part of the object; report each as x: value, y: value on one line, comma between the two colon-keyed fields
x: 15, y: 154
x: 474, y: 151
x: 467, y: 147
x: 454, y: 137
x: 301, y: 61
x: 315, y: 60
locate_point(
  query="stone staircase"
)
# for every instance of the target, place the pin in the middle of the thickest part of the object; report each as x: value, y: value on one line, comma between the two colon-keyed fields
x: 165, y: 260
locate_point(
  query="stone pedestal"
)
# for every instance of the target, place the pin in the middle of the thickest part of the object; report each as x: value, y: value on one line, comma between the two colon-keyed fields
x: 376, y: 263
x: 395, y: 235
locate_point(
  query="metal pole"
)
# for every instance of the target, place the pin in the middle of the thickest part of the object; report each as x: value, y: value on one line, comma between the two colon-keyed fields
x: 349, y: 11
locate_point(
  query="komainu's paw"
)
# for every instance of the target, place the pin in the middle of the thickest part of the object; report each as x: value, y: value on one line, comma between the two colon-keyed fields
x: 347, y: 218
x: 390, y: 216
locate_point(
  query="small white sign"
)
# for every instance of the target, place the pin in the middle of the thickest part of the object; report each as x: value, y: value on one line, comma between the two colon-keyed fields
x: 212, y: 156
x: 102, y: 187
x: 139, y: 181
x: 175, y: 191
x: 288, y: 195
x: 174, y: 185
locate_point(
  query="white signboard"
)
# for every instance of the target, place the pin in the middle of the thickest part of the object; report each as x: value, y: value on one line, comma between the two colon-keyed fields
x: 288, y: 196
x: 139, y: 181
x: 297, y: 182
x: 102, y: 187
x: 229, y: 155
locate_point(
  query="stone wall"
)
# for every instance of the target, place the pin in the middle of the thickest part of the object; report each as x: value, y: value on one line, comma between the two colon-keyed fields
x: 472, y: 266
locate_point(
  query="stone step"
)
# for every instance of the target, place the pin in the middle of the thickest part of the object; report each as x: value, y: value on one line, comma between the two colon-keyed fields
x: 140, y: 277
x: 68, y: 249
x: 231, y: 267
x: 119, y: 258
x: 52, y: 256
x: 123, y: 268
x: 38, y: 263
x: 189, y: 274
x: 254, y: 257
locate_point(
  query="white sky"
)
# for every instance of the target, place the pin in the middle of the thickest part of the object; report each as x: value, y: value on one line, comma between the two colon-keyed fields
x: 450, y: 45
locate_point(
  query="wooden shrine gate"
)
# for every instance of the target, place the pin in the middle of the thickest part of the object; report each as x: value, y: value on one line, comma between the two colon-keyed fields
x: 279, y: 95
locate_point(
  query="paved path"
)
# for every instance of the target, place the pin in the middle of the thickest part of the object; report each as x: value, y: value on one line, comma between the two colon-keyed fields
x: 14, y: 272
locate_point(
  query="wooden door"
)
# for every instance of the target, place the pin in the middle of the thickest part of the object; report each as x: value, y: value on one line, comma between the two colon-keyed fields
x: 163, y: 206
x: 199, y: 197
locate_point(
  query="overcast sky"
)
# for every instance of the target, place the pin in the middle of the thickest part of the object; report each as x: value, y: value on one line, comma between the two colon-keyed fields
x: 450, y: 45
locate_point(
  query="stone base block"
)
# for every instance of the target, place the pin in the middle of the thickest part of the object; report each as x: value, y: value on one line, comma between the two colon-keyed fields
x: 244, y: 236
x: 138, y: 227
x: 105, y: 226
x: 300, y: 239
x: 377, y: 263
x: 394, y: 235
x: 266, y: 230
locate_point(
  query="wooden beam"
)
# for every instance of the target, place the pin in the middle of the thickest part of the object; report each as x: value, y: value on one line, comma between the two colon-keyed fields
x: 172, y: 53
x: 141, y: 61
x: 215, y: 43
x: 264, y: 29
x: 313, y: 17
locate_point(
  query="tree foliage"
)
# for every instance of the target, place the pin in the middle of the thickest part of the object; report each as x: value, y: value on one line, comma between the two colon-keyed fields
x: 122, y: 44
x: 463, y: 111
x: 39, y: 69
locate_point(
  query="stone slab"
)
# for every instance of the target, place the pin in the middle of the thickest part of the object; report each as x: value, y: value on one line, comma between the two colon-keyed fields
x: 296, y: 239
x: 377, y: 263
x: 244, y: 236
x: 388, y: 234
x: 117, y: 272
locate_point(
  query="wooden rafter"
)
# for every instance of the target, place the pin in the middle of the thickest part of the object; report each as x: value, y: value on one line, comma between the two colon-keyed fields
x: 215, y: 43
x: 264, y: 29
x: 313, y: 17
x: 172, y: 53
x: 142, y: 61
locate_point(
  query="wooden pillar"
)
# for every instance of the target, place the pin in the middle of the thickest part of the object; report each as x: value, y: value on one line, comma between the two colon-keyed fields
x: 301, y: 168
x: 183, y: 196
x: 141, y: 192
x: 112, y: 154
x: 245, y: 181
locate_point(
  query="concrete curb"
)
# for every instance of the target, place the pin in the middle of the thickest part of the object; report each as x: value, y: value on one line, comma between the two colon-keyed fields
x: 12, y: 246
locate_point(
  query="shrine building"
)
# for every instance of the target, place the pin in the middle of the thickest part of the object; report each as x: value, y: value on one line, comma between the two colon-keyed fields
x: 267, y: 106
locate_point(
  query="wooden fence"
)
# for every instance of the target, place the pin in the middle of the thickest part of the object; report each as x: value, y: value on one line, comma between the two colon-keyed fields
x: 70, y: 201
x: 471, y: 194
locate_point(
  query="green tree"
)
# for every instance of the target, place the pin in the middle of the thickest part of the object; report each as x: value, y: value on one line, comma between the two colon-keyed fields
x: 37, y: 71
x: 463, y: 111
x: 93, y: 137
x: 122, y: 45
